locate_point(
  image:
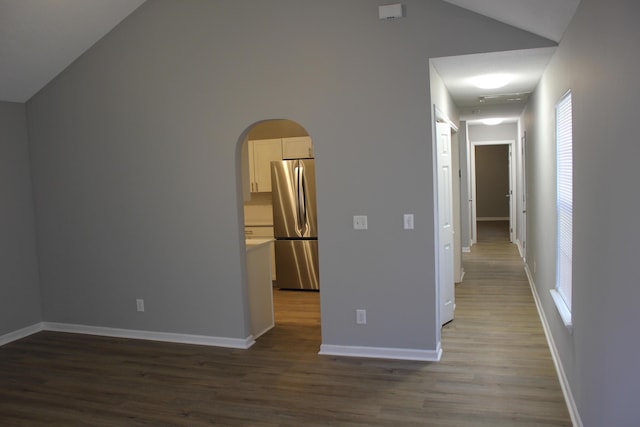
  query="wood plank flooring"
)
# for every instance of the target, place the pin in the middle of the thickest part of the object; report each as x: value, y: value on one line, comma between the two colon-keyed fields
x: 496, y: 370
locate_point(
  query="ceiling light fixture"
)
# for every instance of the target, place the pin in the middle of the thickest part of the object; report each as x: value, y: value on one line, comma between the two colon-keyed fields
x: 491, y: 122
x: 492, y: 81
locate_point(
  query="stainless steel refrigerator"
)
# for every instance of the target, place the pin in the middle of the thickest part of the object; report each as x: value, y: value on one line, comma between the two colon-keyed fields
x: 295, y: 224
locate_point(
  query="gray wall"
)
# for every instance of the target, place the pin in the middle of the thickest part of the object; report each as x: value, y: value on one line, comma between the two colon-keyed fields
x: 501, y: 132
x: 136, y: 154
x: 465, y: 183
x: 597, y: 60
x: 19, y: 288
x: 492, y: 181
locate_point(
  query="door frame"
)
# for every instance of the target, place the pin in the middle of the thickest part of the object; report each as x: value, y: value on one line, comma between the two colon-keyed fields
x: 512, y: 187
x: 522, y: 173
x: 439, y: 116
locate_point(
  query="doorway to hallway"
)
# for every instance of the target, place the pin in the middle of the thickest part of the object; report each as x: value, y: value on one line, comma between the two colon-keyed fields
x: 493, y: 188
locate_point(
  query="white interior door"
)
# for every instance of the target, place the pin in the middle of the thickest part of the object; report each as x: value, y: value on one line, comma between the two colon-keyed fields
x: 445, y: 222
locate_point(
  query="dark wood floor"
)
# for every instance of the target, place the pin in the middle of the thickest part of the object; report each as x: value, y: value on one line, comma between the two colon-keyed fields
x: 496, y: 370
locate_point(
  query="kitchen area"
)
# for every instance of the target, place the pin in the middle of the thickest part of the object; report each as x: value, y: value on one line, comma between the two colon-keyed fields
x: 280, y: 218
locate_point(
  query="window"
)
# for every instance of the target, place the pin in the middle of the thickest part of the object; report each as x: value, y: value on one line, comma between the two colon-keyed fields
x: 564, y: 208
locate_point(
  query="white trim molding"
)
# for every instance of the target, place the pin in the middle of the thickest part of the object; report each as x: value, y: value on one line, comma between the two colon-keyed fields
x: 565, y: 314
x: 128, y: 333
x: 562, y: 377
x: 21, y: 333
x: 151, y: 336
x: 520, y: 249
x: 382, y: 352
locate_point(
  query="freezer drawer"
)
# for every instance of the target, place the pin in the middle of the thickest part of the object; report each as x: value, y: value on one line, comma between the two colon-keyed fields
x: 297, y: 264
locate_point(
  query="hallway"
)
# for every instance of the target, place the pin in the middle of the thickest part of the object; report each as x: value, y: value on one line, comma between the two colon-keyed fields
x: 498, y: 340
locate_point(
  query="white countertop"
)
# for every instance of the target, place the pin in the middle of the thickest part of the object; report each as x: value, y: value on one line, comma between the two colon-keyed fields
x: 255, y: 242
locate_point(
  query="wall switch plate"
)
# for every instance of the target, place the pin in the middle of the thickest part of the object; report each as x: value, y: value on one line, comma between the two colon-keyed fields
x: 361, y: 317
x: 140, y: 304
x: 408, y: 221
x: 360, y: 222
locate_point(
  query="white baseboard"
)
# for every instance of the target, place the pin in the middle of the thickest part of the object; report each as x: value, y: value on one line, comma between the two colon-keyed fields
x: 129, y: 333
x: 492, y: 218
x: 520, y: 249
x: 264, y: 331
x: 562, y: 377
x: 466, y: 249
x: 21, y: 333
x: 151, y: 336
x: 382, y: 352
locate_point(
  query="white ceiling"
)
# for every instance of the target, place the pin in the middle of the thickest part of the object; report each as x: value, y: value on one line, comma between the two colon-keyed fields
x: 40, y: 38
x: 526, y: 67
x: 546, y: 18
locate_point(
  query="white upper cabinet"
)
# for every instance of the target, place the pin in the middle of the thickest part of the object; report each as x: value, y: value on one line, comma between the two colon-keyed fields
x: 261, y: 153
x: 297, y: 148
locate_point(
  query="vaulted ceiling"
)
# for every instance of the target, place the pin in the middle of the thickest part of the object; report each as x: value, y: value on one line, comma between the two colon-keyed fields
x: 39, y: 39
x: 546, y: 18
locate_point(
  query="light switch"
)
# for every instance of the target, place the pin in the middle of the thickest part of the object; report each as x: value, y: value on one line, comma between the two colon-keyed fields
x: 408, y: 221
x: 360, y: 222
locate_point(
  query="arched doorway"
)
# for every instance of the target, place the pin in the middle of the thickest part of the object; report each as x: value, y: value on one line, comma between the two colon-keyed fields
x: 279, y: 211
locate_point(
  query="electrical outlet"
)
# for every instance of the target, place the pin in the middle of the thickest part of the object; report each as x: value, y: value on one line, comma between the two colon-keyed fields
x: 361, y: 317
x: 140, y: 304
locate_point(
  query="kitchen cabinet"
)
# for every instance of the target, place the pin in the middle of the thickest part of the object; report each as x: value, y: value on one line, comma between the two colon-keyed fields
x: 261, y: 153
x: 259, y: 234
x: 259, y: 288
x: 297, y: 148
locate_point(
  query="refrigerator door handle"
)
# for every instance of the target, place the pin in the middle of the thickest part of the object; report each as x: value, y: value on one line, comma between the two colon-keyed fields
x: 301, y: 200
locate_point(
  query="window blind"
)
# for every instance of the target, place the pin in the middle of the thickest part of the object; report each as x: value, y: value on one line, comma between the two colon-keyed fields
x: 564, y: 198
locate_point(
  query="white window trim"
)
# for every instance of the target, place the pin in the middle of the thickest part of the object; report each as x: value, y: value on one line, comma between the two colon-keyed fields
x: 565, y: 314
x: 558, y: 298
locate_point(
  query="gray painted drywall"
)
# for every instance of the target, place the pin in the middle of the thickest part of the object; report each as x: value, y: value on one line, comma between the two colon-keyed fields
x: 596, y: 61
x: 501, y: 132
x: 465, y: 192
x: 492, y: 181
x: 136, y: 154
x: 455, y: 184
x: 20, y: 305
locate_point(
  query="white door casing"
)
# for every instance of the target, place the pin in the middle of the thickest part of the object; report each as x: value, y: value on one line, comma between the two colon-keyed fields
x: 512, y: 188
x: 445, y: 230
x: 512, y: 200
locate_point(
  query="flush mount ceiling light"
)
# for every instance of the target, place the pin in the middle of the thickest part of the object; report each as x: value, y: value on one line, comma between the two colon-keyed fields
x: 491, y: 122
x: 491, y: 81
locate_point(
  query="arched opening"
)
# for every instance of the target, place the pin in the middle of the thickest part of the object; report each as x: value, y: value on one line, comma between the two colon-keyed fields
x: 280, y: 230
